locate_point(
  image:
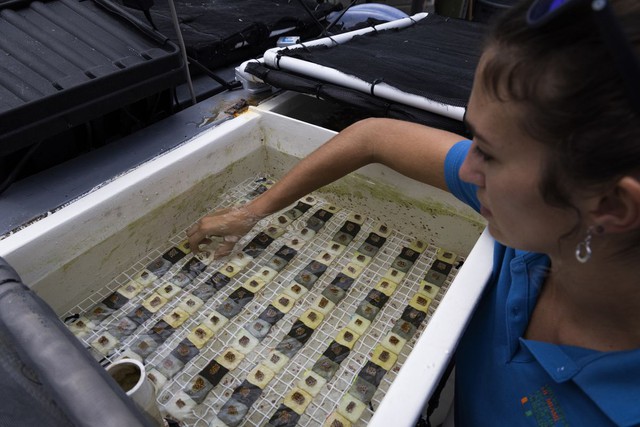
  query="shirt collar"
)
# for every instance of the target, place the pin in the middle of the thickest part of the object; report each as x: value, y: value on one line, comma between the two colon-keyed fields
x: 526, y: 272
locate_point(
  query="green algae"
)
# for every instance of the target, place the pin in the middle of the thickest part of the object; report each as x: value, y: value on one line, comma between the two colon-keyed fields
x: 356, y: 186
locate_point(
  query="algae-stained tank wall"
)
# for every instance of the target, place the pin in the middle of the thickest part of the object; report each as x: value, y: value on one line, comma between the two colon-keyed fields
x: 76, y: 249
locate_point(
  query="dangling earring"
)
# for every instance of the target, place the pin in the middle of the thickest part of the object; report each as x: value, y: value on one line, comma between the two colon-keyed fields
x: 583, y: 250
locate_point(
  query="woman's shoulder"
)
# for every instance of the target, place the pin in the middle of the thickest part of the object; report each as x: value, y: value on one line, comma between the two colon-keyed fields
x: 462, y: 190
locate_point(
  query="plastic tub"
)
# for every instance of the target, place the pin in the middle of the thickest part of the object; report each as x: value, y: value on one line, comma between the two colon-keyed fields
x: 80, y: 254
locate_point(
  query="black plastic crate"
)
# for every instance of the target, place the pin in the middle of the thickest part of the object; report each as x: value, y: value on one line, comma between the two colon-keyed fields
x: 65, y: 62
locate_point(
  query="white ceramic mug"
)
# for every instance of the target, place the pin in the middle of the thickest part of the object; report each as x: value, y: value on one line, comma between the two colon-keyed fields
x: 131, y: 376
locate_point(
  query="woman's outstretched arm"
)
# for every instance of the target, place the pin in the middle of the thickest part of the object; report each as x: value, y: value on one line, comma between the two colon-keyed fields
x: 411, y: 149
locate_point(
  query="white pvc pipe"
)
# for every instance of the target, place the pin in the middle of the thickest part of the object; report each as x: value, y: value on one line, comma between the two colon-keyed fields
x: 270, y: 56
x: 244, y: 77
x: 273, y: 59
x: 381, y: 90
x: 345, y: 37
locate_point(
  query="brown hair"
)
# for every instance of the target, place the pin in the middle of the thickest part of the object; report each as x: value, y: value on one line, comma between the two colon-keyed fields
x: 573, y: 96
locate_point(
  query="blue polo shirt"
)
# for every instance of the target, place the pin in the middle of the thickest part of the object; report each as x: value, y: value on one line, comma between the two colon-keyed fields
x: 503, y: 379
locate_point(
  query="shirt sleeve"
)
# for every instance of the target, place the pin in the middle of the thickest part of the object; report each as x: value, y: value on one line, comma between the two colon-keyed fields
x: 462, y: 190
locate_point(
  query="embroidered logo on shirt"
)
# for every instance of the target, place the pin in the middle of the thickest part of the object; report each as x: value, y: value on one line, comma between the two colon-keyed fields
x: 543, y: 406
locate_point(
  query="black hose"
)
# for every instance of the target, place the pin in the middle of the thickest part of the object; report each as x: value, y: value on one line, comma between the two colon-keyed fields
x: 16, y: 170
x: 227, y: 85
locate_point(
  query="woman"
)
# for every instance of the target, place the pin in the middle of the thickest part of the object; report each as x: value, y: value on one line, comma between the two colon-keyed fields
x: 554, y: 167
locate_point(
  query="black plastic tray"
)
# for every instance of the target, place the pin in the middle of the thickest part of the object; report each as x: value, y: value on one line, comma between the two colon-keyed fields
x: 65, y: 62
x: 222, y: 32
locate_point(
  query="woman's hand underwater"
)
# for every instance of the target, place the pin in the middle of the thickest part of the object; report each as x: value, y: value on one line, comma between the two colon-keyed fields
x: 224, y: 228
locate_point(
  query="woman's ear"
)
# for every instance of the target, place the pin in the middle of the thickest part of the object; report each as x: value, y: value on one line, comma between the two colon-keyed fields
x: 618, y: 210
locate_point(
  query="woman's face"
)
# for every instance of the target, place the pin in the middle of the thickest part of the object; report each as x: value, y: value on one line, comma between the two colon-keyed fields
x: 506, y: 164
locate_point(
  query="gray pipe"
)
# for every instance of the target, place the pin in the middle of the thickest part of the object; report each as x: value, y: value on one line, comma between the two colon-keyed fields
x: 75, y: 382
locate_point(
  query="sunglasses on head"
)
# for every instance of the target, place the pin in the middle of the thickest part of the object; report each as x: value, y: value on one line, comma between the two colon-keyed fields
x: 544, y: 11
